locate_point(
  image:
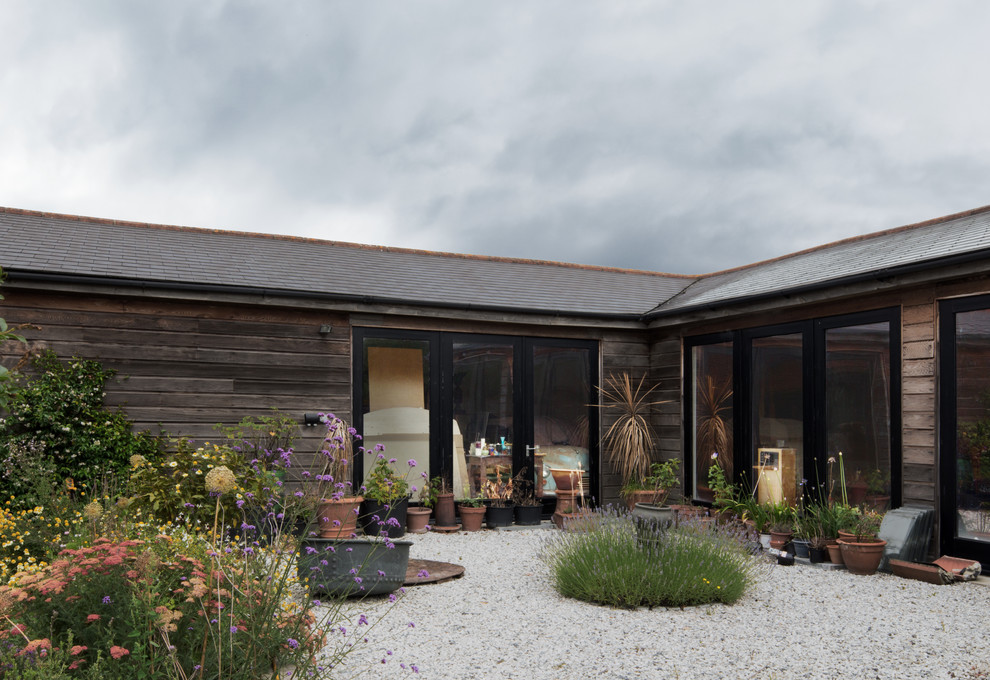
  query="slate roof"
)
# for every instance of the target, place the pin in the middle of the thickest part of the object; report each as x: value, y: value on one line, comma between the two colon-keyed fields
x: 882, y: 254
x: 67, y: 245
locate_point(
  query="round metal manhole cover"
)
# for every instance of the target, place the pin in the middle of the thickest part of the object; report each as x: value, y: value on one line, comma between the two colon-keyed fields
x: 422, y: 572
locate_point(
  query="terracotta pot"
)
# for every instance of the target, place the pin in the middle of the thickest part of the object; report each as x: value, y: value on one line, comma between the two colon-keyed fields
x: 566, y: 479
x: 861, y: 557
x: 834, y: 552
x: 856, y: 492
x: 778, y: 539
x: 634, y: 497
x: 444, y: 514
x: 338, y: 518
x: 417, y: 519
x: 472, y: 518
x: 846, y: 535
x: 878, y: 503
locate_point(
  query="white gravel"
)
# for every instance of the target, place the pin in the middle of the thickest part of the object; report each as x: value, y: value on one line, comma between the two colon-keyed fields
x: 503, y: 619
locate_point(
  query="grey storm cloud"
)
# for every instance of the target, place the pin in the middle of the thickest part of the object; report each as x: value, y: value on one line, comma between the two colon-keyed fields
x: 669, y: 136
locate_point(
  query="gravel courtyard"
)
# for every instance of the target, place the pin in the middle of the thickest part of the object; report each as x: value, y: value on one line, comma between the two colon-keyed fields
x: 504, y: 620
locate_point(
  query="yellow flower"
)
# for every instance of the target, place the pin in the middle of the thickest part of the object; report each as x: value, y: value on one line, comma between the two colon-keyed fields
x: 137, y: 460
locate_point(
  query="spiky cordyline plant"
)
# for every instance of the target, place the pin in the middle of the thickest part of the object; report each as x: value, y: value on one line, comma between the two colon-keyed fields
x: 714, y: 408
x: 629, y: 441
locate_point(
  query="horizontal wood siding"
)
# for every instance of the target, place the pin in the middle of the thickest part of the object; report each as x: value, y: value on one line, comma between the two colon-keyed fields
x: 621, y: 353
x: 918, y: 443
x: 186, y: 366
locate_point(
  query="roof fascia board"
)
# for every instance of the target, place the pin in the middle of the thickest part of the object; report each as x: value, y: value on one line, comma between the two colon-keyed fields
x: 798, y: 297
x: 959, y: 263
x: 265, y: 297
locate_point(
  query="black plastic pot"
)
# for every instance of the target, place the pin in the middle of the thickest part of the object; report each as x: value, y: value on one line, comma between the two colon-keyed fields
x: 379, y: 517
x: 499, y: 516
x: 529, y: 515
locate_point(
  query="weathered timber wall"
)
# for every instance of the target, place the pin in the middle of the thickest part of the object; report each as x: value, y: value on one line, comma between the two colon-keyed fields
x: 186, y: 366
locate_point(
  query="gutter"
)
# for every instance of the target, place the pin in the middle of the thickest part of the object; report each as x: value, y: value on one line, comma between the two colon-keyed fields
x: 152, y: 284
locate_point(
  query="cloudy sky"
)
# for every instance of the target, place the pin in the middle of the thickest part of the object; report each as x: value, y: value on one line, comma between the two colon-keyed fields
x: 667, y: 135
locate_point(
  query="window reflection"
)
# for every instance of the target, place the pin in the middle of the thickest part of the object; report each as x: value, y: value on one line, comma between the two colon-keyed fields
x: 396, y: 402
x: 973, y: 429
x: 483, y: 409
x: 778, y: 417
x: 857, y: 395
x: 561, y: 388
x: 712, y: 408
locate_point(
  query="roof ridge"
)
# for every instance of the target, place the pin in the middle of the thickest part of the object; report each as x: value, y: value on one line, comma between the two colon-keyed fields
x: 850, y: 239
x: 345, y: 244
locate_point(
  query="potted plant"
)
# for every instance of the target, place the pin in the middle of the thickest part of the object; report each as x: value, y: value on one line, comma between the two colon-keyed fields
x: 863, y: 552
x: 386, y: 497
x: 498, y: 497
x: 336, y: 506
x: 440, y: 498
x: 472, y: 511
x: 629, y: 440
x: 528, y: 508
x: 418, y: 516
x: 661, y: 480
x: 781, y: 524
x: 725, y: 495
x: 803, y: 530
x: 878, y: 490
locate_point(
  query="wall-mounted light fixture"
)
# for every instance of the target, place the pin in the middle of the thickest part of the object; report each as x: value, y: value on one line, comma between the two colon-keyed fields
x: 326, y: 329
x: 311, y: 419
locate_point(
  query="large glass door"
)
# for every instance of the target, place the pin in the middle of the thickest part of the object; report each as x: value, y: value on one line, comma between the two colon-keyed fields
x: 965, y: 433
x: 560, y: 379
x: 777, y: 416
x: 395, y: 400
x: 483, y: 399
x: 803, y: 394
x: 478, y: 409
x: 858, y: 414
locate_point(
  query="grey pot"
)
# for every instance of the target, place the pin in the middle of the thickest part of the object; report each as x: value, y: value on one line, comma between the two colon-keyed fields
x: 662, y: 515
x: 327, y: 564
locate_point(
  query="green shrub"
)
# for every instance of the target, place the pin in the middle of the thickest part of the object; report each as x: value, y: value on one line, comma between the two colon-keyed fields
x: 60, y: 409
x: 171, y: 487
x: 610, y: 563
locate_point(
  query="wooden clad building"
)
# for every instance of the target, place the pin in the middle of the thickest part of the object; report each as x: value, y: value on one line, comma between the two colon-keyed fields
x: 874, y: 347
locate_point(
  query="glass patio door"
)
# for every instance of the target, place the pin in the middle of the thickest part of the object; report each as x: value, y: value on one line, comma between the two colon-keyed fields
x: 478, y: 409
x: 965, y: 428
x: 560, y: 382
x: 483, y: 398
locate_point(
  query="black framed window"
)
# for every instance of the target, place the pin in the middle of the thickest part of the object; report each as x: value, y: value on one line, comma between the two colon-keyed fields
x: 964, y: 413
x: 801, y: 394
x: 470, y: 406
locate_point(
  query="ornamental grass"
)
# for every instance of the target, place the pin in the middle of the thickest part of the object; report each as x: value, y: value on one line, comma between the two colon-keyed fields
x: 612, y: 563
